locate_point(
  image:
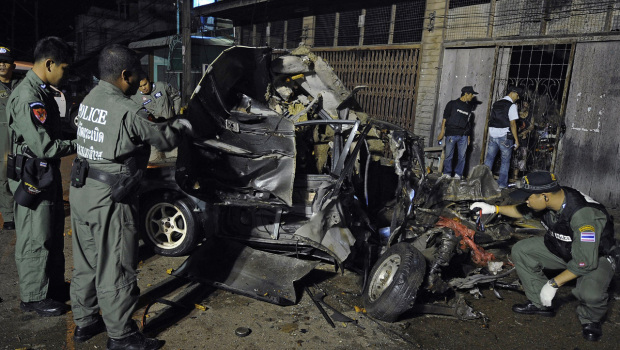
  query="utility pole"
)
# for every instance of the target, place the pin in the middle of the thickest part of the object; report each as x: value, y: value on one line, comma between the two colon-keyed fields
x: 187, y: 51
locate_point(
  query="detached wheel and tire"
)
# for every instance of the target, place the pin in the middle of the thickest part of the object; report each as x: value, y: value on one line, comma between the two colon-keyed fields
x: 394, y: 282
x: 169, y: 226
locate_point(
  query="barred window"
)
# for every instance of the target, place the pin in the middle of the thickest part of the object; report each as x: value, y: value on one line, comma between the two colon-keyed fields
x: 462, y: 3
x: 324, y: 30
x: 409, y: 22
x: 261, y: 34
x: 294, y: 31
x: 276, y: 34
x: 377, y: 25
x: 245, y: 35
x: 348, y: 28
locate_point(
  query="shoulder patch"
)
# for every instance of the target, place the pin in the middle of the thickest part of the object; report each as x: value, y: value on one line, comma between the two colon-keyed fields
x: 586, y: 228
x: 143, y: 113
x: 158, y: 95
x: 37, y: 109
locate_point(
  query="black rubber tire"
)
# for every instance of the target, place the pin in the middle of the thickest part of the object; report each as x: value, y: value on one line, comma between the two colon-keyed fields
x: 394, y: 281
x: 170, y: 227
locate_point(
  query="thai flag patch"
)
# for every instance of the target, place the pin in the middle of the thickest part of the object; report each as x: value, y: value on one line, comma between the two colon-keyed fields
x: 588, y: 237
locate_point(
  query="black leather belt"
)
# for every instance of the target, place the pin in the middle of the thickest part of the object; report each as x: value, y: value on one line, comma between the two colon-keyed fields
x: 102, y: 176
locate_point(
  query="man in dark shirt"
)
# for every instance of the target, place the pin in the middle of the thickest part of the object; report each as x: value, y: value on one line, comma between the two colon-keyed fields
x: 456, y: 128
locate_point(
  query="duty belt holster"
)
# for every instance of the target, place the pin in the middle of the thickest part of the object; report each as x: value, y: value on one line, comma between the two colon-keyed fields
x: 15, y: 166
x: 121, y: 185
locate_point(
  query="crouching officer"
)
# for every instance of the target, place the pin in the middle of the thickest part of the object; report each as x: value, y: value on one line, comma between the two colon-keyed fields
x: 36, y: 145
x: 113, y: 142
x: 579, y: 240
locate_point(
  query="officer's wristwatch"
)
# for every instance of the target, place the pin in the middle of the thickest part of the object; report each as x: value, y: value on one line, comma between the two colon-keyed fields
x: 553, y: 283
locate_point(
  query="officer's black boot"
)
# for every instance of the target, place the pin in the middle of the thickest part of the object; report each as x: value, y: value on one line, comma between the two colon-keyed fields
x: 9, y: 225
x: 592, y: 331
x: 45, y: 307
x: 82, y: 334
x: 135, y: 341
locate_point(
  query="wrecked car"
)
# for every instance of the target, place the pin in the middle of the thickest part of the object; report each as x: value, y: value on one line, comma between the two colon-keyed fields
x: 285, y: 170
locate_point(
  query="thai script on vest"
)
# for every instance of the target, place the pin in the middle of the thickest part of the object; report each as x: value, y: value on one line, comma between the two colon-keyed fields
x: 93, y: 115
x: 89, y: 153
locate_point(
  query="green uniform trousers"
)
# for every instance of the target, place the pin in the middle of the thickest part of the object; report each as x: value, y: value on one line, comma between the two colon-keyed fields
x: 39, y: 246
x: 105, y: 259
x: 530, y: 257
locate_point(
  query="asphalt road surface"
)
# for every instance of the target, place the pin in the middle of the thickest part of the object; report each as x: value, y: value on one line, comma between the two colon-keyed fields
x: 193, y: 316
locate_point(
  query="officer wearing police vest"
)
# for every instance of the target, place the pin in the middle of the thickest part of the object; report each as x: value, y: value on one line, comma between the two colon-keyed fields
x: 33, y: 169
x: 113, y: 140
x: 8, y: 83
x: 579, y: 241
x: 456, y: 127
x: 503, y: 133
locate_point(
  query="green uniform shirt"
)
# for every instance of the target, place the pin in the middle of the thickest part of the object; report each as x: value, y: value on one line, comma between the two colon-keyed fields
x: 5, y: 92
x: 163, y: 101
x: 33, y: 115
x: 108, y: 132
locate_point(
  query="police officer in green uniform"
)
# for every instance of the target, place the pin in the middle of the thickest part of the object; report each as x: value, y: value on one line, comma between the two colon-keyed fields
x: 113, y: 142
x: 162, y: 101
x: 35, y: 130
x: 159, y: 98
x: 8, y: 82
x: 579, y: 241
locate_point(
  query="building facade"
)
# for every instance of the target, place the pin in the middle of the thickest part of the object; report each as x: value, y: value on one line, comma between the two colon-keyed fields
x: 416, y: 55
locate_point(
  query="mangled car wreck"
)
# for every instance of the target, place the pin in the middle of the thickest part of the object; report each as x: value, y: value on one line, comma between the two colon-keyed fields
x: 285, y: 170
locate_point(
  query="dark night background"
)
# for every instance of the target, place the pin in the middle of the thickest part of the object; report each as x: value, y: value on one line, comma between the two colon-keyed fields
x: 55, y: 17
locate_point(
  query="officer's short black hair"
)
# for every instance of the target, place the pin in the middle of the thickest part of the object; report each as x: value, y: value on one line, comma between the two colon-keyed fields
x: 53, y: 48
x: 116, y: 58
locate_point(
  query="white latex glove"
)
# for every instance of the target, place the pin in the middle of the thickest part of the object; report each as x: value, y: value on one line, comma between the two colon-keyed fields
x: 485, y: 207
x: 547, y: 293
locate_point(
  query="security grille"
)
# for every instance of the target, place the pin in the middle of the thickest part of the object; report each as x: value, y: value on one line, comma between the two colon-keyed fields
x: 348, y: 28
x: 260, y: 36
x: 245, y: 35
x: 276, y: 34
x: 408, y: 22
x: 390, y: 77
x: 294, y: 32
x: 377, y: 25
x: 470, y: 19
x: 324, y: 30
x: 542, y: 71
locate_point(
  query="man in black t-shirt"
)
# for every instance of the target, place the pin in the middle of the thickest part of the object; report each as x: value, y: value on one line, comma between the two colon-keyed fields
x: 456, y: 128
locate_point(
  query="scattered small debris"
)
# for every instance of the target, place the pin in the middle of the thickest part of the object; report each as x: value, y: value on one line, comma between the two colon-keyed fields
x: 289, y: 327
x: 242, y: 331
x: 359, y: 309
